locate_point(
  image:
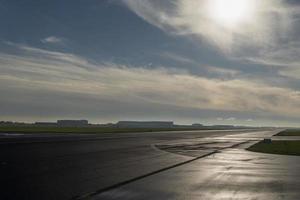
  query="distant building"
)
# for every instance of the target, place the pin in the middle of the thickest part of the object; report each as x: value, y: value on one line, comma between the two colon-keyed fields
x: 6, y: 122
x: 72, y: 122
x: 145, y: 124
x: 223, y: 126
x: 197, y: 125
x: 45, y: 123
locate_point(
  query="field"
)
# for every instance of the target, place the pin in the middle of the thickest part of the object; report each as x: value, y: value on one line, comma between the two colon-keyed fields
x: 277, y: 147
x: 289, y: 132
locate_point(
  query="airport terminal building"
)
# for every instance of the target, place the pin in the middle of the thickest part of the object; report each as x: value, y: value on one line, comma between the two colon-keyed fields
x: 72, y: 123
x: 145, y: 124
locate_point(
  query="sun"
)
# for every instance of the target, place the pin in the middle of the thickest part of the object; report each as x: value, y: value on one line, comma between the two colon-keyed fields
x: 230, y: 12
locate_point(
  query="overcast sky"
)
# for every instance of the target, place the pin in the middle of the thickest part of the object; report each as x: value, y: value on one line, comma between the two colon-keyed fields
x: 110, y: 60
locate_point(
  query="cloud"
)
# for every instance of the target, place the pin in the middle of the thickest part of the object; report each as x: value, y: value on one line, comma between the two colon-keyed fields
x: 209, y: 70
x: 231, y: 119
x: 269, y: 21
x: 52, y: 40
x: 269, y: 38
x: 284, y: 56
x: 223, y: 72
x: 37, y: 71
x: 178, y: 58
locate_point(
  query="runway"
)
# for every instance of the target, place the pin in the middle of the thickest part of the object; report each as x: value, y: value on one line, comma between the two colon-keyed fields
x: 162, y: 165
x: 230, y: 173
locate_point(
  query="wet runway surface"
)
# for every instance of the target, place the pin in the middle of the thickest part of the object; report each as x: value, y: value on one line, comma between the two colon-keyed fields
x: 165, y: 165
x: 230, y: 173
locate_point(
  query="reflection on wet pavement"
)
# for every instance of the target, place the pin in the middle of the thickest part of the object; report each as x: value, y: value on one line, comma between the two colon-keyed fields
x: 231, y: 173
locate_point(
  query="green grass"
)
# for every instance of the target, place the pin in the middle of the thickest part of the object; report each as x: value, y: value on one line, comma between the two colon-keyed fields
x: 277, y: 147
x: 289, y: 132
x: 40, y: 129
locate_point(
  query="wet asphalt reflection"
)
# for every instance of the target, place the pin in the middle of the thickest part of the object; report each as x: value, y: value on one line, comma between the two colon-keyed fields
x: 231, y: 173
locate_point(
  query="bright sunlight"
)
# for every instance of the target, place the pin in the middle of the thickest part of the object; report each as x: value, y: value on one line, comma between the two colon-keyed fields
x: 230, y: 12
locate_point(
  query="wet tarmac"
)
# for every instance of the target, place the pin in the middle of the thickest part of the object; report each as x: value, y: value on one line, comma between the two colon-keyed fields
x: 230, y: 173
x: 178, y: 165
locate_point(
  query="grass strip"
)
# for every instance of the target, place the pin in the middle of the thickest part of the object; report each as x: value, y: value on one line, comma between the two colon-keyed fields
x: 289, y: 132
x: 277, y: 147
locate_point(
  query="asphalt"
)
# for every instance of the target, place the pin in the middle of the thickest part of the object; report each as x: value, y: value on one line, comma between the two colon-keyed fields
x: 230, y: 173
x: 164, y: 165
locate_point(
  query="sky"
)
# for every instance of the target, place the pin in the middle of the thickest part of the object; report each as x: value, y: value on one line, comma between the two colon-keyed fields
x: 187, y: 61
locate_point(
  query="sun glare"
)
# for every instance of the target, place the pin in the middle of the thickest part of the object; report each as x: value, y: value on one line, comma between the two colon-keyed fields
x: 230, y: 12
